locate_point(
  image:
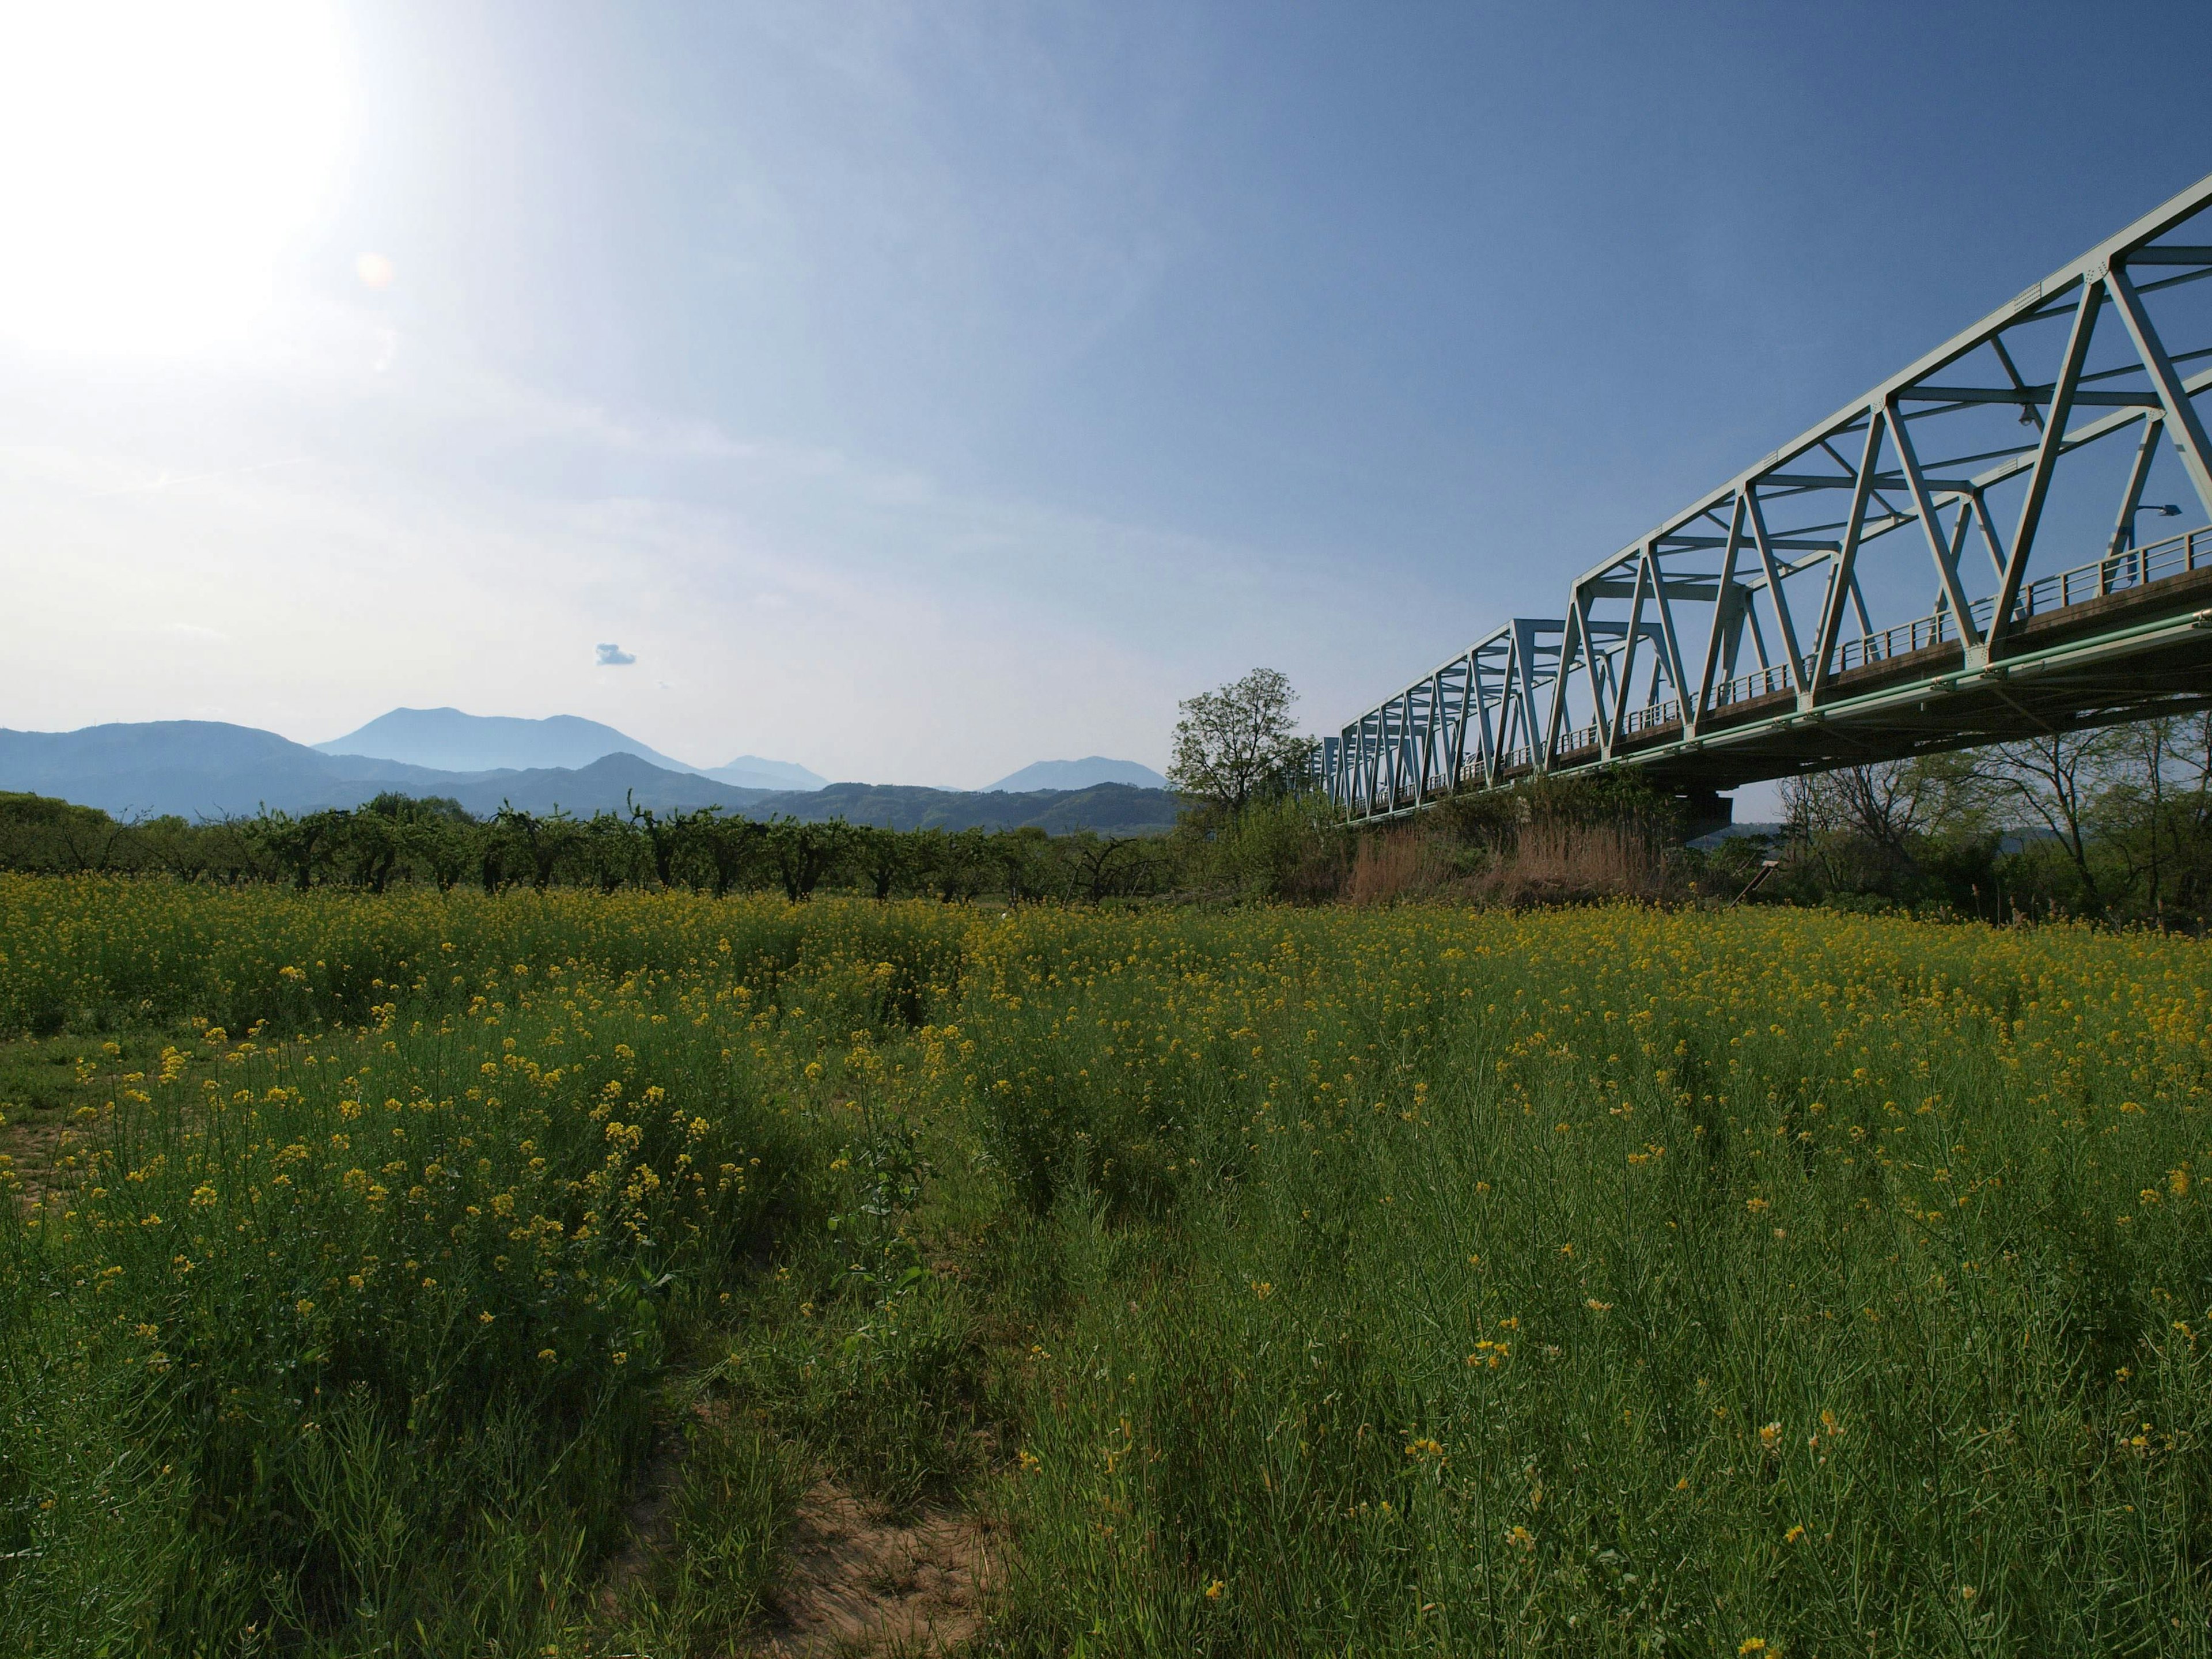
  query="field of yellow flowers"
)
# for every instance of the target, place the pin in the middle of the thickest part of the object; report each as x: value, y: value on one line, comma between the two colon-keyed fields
x: 1425, y: 1281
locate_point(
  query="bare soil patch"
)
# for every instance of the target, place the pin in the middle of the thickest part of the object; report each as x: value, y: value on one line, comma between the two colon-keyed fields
x: 861, y: 1582
x: 35, y: 1151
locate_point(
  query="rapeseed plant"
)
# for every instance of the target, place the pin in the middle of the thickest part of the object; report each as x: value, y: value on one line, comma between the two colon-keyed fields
x: 1426, y: 1281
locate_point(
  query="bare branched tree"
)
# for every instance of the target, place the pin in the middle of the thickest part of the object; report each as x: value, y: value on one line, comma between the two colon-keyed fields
x: 1879, y: 804
x: 1880, y: 808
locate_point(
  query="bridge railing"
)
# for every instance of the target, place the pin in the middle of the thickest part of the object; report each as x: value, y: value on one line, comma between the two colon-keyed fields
x: 2134, y: 568
x: 2116, y: 572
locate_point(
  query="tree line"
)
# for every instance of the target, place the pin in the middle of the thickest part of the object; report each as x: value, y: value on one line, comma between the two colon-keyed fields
x: 400, y: 839
x: 2113, y: 824
x: 1245, y: 832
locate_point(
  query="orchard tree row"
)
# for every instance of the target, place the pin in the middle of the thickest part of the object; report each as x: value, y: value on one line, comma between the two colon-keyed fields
x: 399, y: 839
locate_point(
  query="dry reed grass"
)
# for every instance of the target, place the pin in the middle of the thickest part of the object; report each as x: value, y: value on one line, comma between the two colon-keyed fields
x: 1397, y: 864
x: 1563, y: 863
x: 1549, y: 862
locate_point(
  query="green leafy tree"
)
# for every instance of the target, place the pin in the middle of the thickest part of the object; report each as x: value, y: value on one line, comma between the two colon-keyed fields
x: 1239, y: 742
x: 886, y: 859
x: 730, y: 848
x: 667, y: 838
x: 440, y: 837
x: 299, y: 845
x: 543, y: 842
x: 962, y: 863
x: 608, y: 846
x: 369, y: 844
x: 39, y: 832
x: 805, y: 853
x: 183, y: 850
x: 1026, y: 865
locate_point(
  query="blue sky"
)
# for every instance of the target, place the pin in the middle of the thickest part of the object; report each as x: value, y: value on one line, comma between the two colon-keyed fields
x: 918, y: 391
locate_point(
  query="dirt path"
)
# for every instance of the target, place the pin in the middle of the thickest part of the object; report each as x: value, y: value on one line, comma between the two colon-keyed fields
x: 861, y: 1583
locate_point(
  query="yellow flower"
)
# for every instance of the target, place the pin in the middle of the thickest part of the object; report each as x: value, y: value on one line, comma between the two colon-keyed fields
x: 1213, y: 1591
x: 1793, y: 1534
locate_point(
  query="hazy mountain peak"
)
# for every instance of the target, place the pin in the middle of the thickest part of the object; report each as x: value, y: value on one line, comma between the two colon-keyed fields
x: 752, y: 772
x: 452, y: 741
x: 1083, y: 773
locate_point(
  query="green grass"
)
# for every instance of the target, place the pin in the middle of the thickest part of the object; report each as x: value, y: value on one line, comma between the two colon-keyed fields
x: 1611, y: 1282
x: 1426, y: 1281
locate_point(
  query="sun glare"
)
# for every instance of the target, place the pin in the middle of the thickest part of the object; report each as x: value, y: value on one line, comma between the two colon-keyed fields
x: 156, y: 161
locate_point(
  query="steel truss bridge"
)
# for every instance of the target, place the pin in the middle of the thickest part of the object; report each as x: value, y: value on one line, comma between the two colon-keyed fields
x: 1939, y: 564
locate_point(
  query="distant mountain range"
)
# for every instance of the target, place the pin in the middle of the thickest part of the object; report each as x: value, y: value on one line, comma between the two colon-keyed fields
x: 448, y: 740
x: 1079, y: 774
x: 196, y: 769
x: 206, y: 769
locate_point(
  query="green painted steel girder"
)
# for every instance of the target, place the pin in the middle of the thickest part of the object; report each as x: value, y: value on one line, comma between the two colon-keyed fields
x: 1797, y: 643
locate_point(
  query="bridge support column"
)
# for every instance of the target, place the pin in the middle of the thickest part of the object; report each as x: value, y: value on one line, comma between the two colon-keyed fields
x: 1704, y: 811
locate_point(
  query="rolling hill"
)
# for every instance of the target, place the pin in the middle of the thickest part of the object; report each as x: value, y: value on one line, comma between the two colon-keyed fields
x: 196, y: 769
x: 210, y: 770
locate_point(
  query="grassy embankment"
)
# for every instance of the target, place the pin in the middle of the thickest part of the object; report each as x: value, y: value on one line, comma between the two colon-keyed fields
x: 1371, y: 1282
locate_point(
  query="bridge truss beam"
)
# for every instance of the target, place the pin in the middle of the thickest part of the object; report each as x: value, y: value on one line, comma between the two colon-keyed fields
x: 1849, y: 598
